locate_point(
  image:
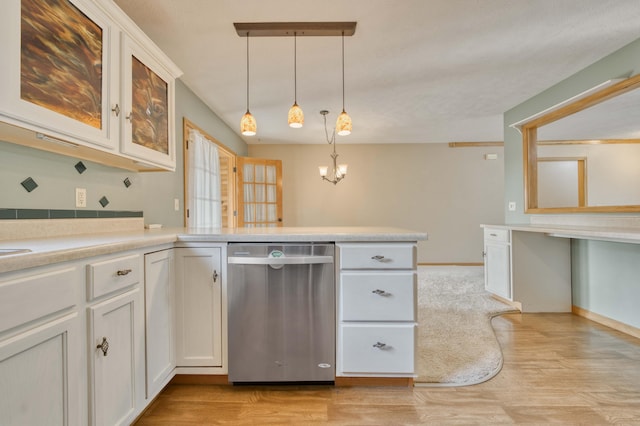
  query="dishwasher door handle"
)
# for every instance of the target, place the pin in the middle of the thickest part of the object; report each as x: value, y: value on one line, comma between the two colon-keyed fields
x: 293, y: 260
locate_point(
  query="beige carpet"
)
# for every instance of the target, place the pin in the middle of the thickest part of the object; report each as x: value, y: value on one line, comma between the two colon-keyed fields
x: 456, y: 343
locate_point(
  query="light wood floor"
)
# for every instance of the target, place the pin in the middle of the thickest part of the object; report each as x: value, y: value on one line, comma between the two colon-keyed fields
x: 558, y: 368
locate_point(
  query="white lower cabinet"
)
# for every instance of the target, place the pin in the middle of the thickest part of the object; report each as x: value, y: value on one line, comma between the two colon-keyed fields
x: 376, y: 309
x: 116, y: 337
x: 116, y: 344
x: 41, y: 347
x: 160, y: 337
x: 376, y: 348
x: 497, y: 262
x: 39, y: 375
x: 200, y: 314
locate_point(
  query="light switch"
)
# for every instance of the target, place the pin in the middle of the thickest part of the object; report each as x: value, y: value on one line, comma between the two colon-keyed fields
x: 512, y: 206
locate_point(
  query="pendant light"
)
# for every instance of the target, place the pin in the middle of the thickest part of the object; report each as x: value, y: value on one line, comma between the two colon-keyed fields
x: 296, y: 116
x: 343, y: 124
x: 248, y: 125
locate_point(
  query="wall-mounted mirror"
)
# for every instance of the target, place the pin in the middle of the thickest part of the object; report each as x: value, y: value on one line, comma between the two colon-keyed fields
x: 584, y: 156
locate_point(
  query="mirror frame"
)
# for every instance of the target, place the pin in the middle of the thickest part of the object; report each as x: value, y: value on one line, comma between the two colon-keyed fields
x: 529, y: 132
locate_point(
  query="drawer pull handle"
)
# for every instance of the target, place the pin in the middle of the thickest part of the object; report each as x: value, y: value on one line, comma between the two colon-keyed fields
x: 494, y: 235
x: 123, y: 272
x: 381, y: 293
x: 104, y: 346
x: 380, y: 345
x: 380, y: 258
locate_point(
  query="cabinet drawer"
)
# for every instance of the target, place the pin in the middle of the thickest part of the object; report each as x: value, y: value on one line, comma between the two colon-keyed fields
x: 377, y: 348
x: 496, y: 234
x: 31, y: 297
x: 377, y: 256
x: 377, y: 296
x: 112, y: 275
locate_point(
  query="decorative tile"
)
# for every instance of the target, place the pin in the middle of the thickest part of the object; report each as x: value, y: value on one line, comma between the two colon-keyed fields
x: 127, y: 182
x: 104, y: 201
x: 80, y: 167
x: 62, y: 214
x: 8, y: 214
x: 32, y: 214
x: 85, y: 214
x: 29, y: 184
x: 13, y: 214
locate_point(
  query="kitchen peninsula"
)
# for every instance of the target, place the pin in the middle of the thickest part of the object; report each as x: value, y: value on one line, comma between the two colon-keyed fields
x: 138, y: 307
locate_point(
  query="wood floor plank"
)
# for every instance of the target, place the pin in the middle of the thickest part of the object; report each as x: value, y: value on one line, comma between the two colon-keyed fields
x: 558, y: 369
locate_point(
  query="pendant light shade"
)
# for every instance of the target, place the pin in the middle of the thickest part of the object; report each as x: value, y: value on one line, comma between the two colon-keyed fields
x: 248, y: 125
x: 343, y: 124
x: 296, y: 116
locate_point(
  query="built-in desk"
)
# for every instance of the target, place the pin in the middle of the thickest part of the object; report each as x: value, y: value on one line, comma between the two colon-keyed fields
x: 539, y: 266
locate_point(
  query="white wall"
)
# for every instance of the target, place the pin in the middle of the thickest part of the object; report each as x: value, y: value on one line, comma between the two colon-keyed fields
x: 446, y: 192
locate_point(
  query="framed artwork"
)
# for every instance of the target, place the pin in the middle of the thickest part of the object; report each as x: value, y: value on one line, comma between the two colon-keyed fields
x: 61, y: 60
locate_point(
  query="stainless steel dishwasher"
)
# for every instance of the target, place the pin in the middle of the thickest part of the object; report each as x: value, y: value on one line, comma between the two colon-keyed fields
x: 281, y: 312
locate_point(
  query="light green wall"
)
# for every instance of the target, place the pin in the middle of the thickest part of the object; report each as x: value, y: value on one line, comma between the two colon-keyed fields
x: 57, y: 179
x: 152, y: 192
x: 604, y: 275
x: 162, y: 188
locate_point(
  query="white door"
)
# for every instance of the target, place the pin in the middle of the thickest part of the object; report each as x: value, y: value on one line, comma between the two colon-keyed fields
x: 116, y: 342
x: 159, y: 297
x: 199, y: 307
x: 39, y: 375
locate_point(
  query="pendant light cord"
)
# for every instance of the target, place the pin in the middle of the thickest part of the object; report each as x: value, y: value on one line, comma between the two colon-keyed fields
x: 295, y: 68
x: 342, y: 71
x: 248, y: 71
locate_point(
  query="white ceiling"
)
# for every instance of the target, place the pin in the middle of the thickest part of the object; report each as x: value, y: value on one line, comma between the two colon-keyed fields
x: 416, y: 71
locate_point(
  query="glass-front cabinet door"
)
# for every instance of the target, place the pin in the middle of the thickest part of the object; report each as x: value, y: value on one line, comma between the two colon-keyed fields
x: 148, y: 107
x: 57, y: 75
x: 259, y: 192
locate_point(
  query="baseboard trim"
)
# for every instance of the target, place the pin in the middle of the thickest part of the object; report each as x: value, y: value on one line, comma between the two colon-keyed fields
x: 450, y: 264
x: 406, y: 382
x: 200, y: 379
x: 600, y: 319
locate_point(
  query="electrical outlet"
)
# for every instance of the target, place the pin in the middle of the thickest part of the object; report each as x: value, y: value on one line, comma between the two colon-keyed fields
x: 176, y: 204
x: 512, y: 206
x: 81, y: 197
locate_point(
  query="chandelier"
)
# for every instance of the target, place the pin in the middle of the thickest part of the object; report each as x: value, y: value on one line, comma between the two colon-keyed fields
x: 338, y: 171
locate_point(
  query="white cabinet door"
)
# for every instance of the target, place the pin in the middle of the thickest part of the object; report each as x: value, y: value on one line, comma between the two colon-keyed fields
x: 159, y: 297
x: 497, y: 268
x: 198, y: 307
x: 148, y: 93
x: 116, y: 344
x: 57, y: 71
x: 40, y: 374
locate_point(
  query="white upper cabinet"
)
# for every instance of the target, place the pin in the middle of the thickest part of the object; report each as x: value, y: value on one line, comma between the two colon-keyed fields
x: 81, y: 72
x: 57, y: 74
x: 148, y: 94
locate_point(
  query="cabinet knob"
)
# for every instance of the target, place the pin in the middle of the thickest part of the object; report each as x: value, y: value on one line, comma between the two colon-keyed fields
x: 215, y: 276
x: 128, y: 117
x: 380, y: 345
x: 116, y: 109
x: 381, y: 292
x: 104, y: 346
x: 123, y: 272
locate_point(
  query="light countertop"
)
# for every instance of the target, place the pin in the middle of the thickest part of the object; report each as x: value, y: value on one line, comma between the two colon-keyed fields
x: 602, y: 233
x: 44, y: 251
